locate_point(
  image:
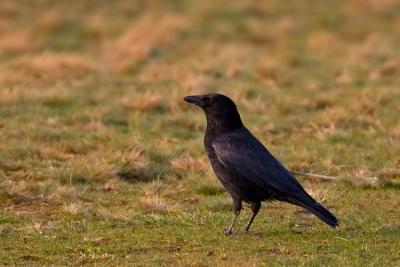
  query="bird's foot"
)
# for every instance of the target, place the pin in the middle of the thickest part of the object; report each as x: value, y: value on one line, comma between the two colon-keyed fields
x: 227, y: 232
x: 245, y: 230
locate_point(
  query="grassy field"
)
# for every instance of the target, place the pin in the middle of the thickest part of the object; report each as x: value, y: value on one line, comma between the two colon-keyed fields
x: 101, y: 162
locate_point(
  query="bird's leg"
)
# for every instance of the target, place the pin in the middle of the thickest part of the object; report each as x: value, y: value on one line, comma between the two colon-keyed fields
x: 237, y: 207
x: 255, y: 207
x: 228, y: 231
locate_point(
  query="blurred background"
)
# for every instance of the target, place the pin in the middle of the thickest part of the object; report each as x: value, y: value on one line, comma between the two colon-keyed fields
x: 93, y: 127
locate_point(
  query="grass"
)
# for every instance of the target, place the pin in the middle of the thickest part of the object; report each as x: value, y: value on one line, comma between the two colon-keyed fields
x: 101, y: 162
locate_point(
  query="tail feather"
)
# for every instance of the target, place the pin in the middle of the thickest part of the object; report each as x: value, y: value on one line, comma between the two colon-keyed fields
x: 317, y: 209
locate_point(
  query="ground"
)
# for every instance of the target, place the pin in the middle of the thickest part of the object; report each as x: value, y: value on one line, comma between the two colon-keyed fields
x: 102, y: 163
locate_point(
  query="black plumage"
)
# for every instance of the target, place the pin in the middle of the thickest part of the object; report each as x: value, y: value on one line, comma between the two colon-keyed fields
x: 247, y: 170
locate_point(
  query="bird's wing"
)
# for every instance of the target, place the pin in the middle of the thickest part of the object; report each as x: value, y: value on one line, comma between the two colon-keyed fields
x: 241, y: 153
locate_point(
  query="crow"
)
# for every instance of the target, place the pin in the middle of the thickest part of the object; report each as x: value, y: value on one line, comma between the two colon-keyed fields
x: 247, y: 170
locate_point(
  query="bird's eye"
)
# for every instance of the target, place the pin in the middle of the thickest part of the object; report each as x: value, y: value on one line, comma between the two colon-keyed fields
x: 207, y: 100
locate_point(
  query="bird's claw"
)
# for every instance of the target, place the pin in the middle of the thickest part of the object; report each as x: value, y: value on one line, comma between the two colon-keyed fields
x: 227, y: 232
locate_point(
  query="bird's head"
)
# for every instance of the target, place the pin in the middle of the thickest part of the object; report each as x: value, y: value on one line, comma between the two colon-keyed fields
x: 212, y: 104
x: 219, y: 109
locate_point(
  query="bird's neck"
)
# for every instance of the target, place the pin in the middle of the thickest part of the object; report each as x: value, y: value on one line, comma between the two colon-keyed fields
x: 223, y: 123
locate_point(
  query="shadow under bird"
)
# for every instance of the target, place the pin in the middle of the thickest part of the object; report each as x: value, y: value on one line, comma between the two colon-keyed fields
x: 247, y: 170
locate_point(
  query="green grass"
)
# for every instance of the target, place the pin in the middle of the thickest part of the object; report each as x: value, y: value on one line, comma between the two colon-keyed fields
x: 102, y: 163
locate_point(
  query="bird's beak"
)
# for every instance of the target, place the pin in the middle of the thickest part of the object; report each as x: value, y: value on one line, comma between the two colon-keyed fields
x: 194, y: 99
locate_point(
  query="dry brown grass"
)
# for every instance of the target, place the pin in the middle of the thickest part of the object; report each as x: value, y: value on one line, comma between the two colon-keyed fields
x: 55, y: 65
x: 8, y: 96
x: 157, y: 204
x: 325, y: 43
x: 185, y: 164
x: 375, y: 46
x: 145, y: 102
x: 141, y: 39
x: 21, y: 41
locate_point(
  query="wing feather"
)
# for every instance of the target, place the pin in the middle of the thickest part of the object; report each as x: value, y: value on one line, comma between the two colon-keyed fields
x: 242, y: 153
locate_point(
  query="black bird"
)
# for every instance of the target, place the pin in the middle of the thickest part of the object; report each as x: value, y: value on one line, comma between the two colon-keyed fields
x: 244, y: 166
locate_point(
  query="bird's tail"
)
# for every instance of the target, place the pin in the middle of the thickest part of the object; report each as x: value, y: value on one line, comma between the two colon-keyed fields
x: 317, y: 209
